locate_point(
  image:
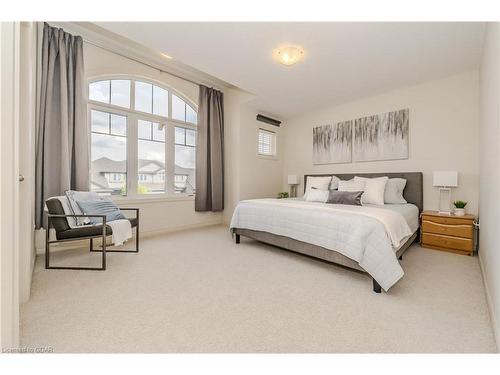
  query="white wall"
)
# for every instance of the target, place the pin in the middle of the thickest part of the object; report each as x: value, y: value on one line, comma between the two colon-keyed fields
x: 443, y: 135
x: 248, y: 175
x: 28, y: 61
x: 9, y: 186
x: 260, y: 176
x: 489, y: 157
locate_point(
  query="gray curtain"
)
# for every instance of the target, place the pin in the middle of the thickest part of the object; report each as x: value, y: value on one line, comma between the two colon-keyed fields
x: 210, y: 151
x: 62, y: 140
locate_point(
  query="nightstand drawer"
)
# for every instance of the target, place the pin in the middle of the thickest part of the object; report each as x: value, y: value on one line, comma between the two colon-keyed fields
x: 454, y: 229
x: 447, y: 219
x: 448, y: 242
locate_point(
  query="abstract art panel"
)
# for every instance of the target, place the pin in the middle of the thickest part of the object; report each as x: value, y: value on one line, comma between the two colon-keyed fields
x: 382, y: 137
x: 333, y: 143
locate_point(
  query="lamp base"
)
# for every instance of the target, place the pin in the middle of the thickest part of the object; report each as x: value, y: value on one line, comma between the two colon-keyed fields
x: 444, y: 212
x: 293, y: 191
x: 444, y: 203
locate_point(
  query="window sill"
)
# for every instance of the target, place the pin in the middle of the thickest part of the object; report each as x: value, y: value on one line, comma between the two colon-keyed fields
x: 267, y: 157
x: 126, y: 200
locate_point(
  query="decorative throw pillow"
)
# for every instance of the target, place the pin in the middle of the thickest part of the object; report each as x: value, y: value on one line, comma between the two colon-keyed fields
x: 351, y: 185
x: 374, y: 189
x: 334, y: 185
x: 316, y: 195
x: 320, y: 183
x: 394, y: 191
x: 101, y: 207
x: 345, y: 197
x: 75, y: 196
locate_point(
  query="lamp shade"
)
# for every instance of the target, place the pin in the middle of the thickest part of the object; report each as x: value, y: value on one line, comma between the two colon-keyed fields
x: 445, y: 178
x: 292, y: 179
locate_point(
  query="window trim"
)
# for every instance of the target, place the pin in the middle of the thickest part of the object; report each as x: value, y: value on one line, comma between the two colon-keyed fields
x: 274, y: 156
x: 132, y: 117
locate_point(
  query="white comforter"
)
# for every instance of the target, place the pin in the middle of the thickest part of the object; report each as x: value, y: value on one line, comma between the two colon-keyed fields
x: 368, y: 235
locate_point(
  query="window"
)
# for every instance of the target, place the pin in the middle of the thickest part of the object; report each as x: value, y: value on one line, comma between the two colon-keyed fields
x: 109, y: 152
x: 134, y: 124
x: 114, y: 91
x: 267, y: 143
x: 151, y: 157
x: 185, y: 157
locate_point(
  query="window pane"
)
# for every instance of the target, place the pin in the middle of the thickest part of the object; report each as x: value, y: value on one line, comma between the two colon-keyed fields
x: 118, y: 125
x: 190, y: 137
x: 267, y: 142
x: 178, y: 108
x: 151, y: 167
x: 120, y: 92
x: 143, y: 97
x: 99, y: 121
x: 160, y: 101
x: 180, y: 136
x: 158, y: 132
x: 191, y: 115
x: 144, y: 129
x: 109, y: 164
x: 184, y: 166
x: 99, y: 91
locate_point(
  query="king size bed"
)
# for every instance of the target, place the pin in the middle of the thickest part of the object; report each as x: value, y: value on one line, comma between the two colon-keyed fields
x: 367, y: 238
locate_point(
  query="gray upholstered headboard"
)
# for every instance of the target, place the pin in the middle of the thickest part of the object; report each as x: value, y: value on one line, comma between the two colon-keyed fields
x: 413, y: 193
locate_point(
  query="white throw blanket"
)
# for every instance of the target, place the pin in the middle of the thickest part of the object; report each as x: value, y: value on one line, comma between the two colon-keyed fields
x: 368, y: 235
x: 122, y: 231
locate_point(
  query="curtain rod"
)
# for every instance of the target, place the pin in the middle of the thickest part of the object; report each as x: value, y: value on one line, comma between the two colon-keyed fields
x: 139, y: 61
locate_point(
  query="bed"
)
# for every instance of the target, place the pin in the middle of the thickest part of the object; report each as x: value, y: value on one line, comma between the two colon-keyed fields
x: 361, y: 238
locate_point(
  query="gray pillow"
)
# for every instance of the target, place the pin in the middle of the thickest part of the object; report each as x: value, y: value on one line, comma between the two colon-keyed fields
x: 345, y: 197
x: 101, y: 207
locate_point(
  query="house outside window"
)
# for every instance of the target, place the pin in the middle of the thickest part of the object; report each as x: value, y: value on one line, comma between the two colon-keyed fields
x: 143, y: 136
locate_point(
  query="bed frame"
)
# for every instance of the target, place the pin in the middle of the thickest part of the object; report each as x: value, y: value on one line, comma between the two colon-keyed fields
x: 413, y: 193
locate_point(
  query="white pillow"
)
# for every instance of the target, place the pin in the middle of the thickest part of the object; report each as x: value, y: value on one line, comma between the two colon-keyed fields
x: 320, y: 183
x: 374, y: 189
x: 394, y: 191
x: 351, y: 185
x: 74, y: 196
x: 316, y: 195
x: 334, y: 185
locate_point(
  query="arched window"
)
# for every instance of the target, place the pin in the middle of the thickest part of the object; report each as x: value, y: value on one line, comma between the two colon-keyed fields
x: 143, y: 137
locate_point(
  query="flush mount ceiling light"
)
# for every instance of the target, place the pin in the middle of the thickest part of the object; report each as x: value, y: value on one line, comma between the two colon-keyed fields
x: 167, y: 56
x: 289, y: 55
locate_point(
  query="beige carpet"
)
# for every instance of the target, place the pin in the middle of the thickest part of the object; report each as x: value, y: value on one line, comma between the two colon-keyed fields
x: 196, y: 291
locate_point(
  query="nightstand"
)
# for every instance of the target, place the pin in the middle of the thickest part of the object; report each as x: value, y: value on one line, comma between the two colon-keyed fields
x: 447, y: 232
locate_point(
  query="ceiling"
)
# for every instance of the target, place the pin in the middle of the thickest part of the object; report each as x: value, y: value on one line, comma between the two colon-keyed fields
x: 343, y: 61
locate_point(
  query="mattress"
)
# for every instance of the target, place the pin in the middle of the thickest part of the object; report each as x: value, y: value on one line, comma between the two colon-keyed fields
x: 408, y: 211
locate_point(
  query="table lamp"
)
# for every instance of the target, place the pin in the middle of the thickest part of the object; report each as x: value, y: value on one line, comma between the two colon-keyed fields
x: 445, y: 180
x: 293, y: 181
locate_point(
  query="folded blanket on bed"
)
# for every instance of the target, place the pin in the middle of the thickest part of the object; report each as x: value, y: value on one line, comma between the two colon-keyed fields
x: 368, y: 235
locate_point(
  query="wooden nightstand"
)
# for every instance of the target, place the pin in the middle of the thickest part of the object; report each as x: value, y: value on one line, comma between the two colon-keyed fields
x: 447, y: 232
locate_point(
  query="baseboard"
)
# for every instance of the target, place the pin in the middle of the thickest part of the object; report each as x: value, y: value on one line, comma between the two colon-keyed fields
x: 489, y: 301
x: 144, y: 234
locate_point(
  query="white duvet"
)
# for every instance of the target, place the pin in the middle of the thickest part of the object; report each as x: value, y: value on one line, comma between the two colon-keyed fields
x: 368, y: 235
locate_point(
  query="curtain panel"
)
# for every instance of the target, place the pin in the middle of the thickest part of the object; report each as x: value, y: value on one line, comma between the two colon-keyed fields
x: 62, y: 139
x: 210, y: 151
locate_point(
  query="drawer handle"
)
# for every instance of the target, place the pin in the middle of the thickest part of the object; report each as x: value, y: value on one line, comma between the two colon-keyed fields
x: 447, y: 225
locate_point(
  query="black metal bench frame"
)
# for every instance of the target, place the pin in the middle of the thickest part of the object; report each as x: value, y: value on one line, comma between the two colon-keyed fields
x: 103, y: 236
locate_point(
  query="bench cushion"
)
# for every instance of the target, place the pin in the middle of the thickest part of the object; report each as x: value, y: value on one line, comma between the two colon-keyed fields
x: 88, y: 231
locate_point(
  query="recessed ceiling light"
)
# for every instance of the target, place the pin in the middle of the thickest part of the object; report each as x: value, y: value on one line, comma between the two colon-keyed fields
x: 167, y: 56
x: 289, y: 55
